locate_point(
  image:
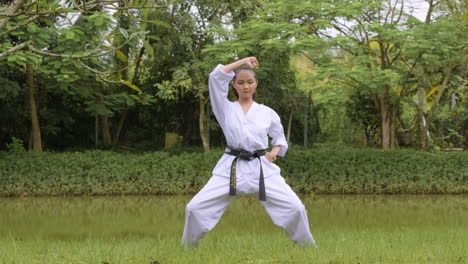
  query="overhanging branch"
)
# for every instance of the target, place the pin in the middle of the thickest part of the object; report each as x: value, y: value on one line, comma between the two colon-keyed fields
x: 27, y: 21
x: 97, y: 52
x: 15, y: 48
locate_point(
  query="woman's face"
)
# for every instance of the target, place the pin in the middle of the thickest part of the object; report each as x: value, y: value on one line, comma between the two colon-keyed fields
x: 245, y: 84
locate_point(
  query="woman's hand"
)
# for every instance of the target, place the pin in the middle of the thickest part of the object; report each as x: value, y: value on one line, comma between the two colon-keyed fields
x: 252, y: 62
x: 270, y: 156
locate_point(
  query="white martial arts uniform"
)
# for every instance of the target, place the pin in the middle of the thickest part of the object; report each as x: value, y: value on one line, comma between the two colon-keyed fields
x: 249, y: 132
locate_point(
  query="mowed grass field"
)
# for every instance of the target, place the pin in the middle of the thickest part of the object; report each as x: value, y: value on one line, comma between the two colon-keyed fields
x: 147, y: 229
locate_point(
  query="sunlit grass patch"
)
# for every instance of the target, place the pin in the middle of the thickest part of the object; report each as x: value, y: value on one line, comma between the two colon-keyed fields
x: 145, y: 229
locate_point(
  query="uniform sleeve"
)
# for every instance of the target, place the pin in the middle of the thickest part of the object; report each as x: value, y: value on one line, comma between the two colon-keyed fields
x: 276, y: 132
x: 218, y: 85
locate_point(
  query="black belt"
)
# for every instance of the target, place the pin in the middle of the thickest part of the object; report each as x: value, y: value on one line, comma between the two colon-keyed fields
x: 246, y: 155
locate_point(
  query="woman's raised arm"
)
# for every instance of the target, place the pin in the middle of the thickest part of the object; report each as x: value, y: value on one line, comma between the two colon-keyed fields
x: 252, y: 62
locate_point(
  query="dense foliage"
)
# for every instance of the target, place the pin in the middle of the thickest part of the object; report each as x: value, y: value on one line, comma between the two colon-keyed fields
x: 323, y: 170
x: 122, y: 73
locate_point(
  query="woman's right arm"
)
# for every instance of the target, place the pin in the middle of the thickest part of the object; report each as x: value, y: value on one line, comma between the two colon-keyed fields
x: 249, y: 61
x: 218, y: 86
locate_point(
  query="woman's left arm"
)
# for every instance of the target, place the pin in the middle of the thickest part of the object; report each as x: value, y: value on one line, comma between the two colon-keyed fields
x: 271, y: 156
x: 276, y: 132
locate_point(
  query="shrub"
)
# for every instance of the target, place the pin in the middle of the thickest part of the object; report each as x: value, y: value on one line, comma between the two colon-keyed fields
x: 16, y: 146
x: 324, y: 170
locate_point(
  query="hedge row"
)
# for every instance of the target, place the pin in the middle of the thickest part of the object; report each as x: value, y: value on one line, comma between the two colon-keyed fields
x: 338, y: 170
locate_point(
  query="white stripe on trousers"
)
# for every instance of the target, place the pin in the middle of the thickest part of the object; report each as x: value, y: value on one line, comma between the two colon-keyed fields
x: 282, y: 204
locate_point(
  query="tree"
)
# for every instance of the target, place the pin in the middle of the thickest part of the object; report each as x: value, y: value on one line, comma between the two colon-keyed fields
x: 39, y: 30
x: 366, y: 41
x: 439, y: 50
x: 196, y: 27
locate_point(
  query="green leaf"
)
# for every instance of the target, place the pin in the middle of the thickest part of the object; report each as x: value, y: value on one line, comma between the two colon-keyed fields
x: 160, y: 23
x: 129, y: 101
x: 99, y: 21
x: 17, y: 33
x: 149, y: 48
x: 100, y: 109
x: 134, y: 87
x: 32, y: 28
x: 154, y: 37
x: 70, y: 35
x: 124, y: 32
x: 121, y: 56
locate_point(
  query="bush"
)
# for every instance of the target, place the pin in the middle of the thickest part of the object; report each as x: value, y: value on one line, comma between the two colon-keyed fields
x: 347, y: 170
x: 16, y: 146
x: 324, y: 170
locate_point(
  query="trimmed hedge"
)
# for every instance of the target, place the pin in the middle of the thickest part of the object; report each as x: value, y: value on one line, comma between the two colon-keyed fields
x: 373, y: 171
x: 337, y: 170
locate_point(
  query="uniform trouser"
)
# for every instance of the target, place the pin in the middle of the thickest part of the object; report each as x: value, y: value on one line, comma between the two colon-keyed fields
x: 282, y: 204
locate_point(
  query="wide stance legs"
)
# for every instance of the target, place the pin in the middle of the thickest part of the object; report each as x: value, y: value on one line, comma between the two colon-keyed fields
x: 284, y: 207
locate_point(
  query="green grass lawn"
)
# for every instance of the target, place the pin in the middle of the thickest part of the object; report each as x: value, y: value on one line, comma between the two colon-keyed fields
x: 146, y: 229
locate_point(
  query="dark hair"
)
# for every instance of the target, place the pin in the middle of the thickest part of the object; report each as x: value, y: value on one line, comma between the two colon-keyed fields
x: 243, y: 68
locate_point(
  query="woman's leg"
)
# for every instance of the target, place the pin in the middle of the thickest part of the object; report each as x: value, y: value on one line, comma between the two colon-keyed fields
x: 286, y: 210
x: 205, y: 209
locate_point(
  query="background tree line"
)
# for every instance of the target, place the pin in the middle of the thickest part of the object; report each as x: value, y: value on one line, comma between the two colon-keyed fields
x: 122, y: 73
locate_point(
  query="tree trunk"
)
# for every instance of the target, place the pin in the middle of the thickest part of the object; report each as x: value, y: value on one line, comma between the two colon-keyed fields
x: 106, y: 135
x: 307, y: 119
x: 121, y: 67
x: 393, y: 138
x: 124, y: 115
x: 207, y: 119
x: 316, y: 129
x: 96, y: 130
x: 435, y: 104
x: 202, y: 121
x: 35, y: 128
x: 386, y: 126
x: 105, y: 130
x: 368, y: 136
x: 465, y: 132
x: 119, y: 127
x: 306, y: 122
x: 289, y: 126
x: 421, y: 127
x: 30, y: 142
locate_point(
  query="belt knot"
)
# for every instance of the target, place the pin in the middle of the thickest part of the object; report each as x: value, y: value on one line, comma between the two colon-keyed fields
x: 246, y: 155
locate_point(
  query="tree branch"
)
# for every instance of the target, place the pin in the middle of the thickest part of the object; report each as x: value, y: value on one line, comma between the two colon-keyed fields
x: 401, y: 12
x: 343, y: 82
x: 92, y: 53
x: 388, y: 13
x: 354, y: 79
x: 355, y: 38
x: 429, y: 11
x: 383, y: 62
x: 58, y: 11
x: 74, y: 9
x: 15, y: 48
x: 101, y: 72
x: 392, y: 10
x: 394, y: 58
x: 133, y: 7
x: 386, y: 54
x: 19, y: 25
x: 13, y: 8
x: 445, y: 83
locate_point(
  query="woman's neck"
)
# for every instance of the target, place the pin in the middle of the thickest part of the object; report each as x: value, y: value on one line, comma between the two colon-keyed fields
x: 245, y: 101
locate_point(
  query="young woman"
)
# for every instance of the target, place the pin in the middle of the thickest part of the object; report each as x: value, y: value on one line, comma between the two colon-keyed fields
x: 246, y: 167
